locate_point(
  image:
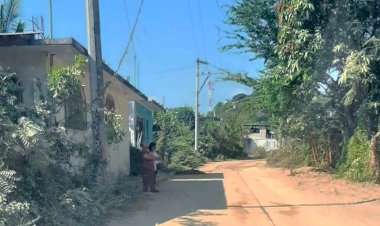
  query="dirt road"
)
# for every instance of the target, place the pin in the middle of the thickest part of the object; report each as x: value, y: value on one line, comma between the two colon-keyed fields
x: 250, y: 193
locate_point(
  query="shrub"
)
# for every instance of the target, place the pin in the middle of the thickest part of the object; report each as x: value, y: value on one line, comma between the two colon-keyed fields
x: 186, y: 158
x: 259, y: 152
x: 291, y: 156
x: 135, y: 156
x: 83, y: 205
x: 356, y: 166
x: 12, y: 212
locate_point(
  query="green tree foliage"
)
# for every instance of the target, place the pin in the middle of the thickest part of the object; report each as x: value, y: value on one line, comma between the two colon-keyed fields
x: 185, y: 115
x: 10, y: 17
x: 172, y: 132
x: 42, y: 155
x: 321, y: 76
x: 12, y: 212
x: 222, y: 131
x: 185, y: 159
x: 356, y: 166
x: 255, y: 27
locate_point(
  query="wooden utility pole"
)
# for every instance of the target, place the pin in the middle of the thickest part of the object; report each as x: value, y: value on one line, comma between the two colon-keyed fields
x: 96, y: 81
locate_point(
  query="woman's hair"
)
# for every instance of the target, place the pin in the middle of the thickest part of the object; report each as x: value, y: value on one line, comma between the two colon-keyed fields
x: 152, y: 145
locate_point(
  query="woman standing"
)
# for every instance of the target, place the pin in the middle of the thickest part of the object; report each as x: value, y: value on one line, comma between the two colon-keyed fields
x: 148, y: 172
x: 153, y: 151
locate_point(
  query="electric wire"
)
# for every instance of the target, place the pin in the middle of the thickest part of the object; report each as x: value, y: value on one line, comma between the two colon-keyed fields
x: 168, y: 70
x: 128, y: 20
x: 192, y: 26
x: 130, y: 38
x: 202, y: 29
x: 129, y: 78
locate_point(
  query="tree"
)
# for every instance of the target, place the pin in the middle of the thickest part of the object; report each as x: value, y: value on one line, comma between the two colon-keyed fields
x: 10, y: 17
x: 172, y: 131
x: 222, y: 132
x: 37, y: 156
x: 255, y: 27
x: 314, y: 95
x: 185, y: 115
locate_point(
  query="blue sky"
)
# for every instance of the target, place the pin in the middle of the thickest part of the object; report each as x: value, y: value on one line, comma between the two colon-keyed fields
x: 170, y: 35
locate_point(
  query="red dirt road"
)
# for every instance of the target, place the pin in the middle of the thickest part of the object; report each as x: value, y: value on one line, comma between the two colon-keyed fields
x: 250, y: 193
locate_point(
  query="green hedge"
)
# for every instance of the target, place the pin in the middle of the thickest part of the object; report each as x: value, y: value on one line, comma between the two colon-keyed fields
x: 135, y: 158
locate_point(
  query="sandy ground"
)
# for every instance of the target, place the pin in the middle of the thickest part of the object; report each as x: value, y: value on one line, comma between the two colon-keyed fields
x: 250, y: 193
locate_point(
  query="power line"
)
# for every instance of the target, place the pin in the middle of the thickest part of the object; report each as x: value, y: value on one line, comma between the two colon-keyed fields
x: 168, y: 70
x: 202, y: 30
x: 128, y: 20
x: 192, y: 26
x: 130, y: 38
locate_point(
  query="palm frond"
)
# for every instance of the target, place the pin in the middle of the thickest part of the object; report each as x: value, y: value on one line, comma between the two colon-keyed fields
x: 10, y: 10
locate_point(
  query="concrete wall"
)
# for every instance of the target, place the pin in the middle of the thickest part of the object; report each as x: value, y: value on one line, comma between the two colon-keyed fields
x: 262, y: 134
x: 252, y: 142
x: 29, y: 66
x: 31, y: 63
x: 118, y: 154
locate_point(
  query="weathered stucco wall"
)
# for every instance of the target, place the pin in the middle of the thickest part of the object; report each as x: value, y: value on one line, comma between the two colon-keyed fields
x: 29, y: 66
x: 118, y: 154
x: 31, y: 63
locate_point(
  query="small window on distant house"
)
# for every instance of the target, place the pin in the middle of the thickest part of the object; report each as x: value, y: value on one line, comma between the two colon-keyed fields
x: 110, y: 103
x: 140, y: 138
x: 255, y: 130
x: 75, y: 111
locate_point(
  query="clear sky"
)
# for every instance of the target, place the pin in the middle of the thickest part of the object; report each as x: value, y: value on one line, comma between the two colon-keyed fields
x: 169, y: 36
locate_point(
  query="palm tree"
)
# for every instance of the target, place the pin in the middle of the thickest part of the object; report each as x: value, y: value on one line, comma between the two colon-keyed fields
x: 10, y: 17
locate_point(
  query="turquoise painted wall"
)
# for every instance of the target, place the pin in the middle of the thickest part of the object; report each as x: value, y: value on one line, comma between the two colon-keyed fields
x: 147, y: 115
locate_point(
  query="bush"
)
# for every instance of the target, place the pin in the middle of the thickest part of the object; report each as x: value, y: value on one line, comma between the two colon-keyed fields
x: 291, y: 156
x: 259, y: 152
x: 12, y: 212
x: 186, y: 159
x: 135, y: 156
x: 356, y: 166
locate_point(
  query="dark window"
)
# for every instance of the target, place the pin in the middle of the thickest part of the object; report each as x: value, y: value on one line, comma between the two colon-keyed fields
x: 110, y: 103
x: 255, y: 130
x: 140, y: 138
x: 75, y: 111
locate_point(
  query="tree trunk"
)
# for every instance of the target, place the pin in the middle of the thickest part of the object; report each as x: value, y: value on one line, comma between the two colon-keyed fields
x: 330, y: 152
x: 375, y: 157
x: 350, y: 122
x: 313, y: 148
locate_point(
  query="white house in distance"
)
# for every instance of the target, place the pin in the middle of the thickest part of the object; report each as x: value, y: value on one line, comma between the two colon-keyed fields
x: 259, y: 136
x: 32, y: 58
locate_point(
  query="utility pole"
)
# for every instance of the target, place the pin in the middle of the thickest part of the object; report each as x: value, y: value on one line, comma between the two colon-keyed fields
x: 197, y: 91
x: 96, y: 80
x: 50, y: 19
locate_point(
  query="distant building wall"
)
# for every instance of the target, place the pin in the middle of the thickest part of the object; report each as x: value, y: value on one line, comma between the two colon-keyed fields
x: 252, y: 142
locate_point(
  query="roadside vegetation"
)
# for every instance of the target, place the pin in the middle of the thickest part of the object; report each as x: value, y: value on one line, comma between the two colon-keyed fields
x: 221, y: 135
x: 320, y: 88
x: 38, y: 183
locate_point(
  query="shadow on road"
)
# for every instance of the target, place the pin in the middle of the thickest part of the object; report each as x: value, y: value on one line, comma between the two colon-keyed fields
x: 182, y: 197
x: 186, y: 194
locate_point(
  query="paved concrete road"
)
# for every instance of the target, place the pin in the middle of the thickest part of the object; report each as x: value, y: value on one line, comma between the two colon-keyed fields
x: 249, y: 193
